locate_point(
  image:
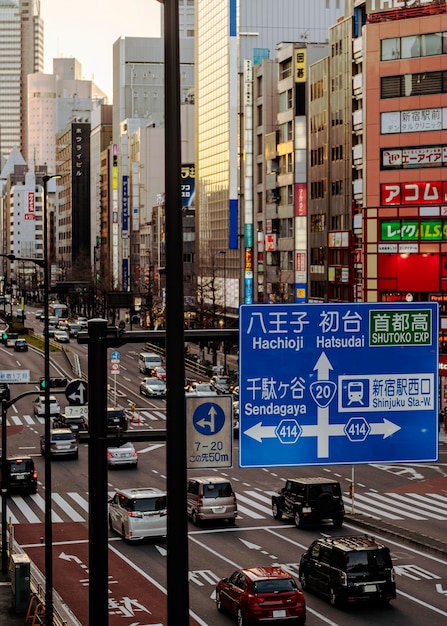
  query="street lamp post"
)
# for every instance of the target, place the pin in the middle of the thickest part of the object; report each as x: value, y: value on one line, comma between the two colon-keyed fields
x: 47, y: 426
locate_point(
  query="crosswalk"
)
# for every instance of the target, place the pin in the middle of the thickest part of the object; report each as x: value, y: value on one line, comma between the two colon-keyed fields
x: 253, y: 505
x: 139, y: 418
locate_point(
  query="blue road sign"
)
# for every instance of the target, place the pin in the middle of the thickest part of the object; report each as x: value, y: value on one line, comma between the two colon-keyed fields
x: 76, y: 392
x: 324, y: 384
x: 209, y: 432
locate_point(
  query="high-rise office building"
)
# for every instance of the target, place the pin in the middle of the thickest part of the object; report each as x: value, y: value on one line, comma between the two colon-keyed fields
x: 231, y: 38
x: 21, y: 53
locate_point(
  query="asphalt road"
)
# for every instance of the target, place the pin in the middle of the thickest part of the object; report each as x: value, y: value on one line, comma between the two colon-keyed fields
x: 403, y: 504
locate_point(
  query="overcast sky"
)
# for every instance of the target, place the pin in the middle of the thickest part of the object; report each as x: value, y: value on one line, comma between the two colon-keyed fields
x: 87, y: 30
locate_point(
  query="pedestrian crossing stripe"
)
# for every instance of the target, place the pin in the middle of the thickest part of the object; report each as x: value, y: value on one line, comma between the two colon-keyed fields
x: 252, y: 503
x: 33, y: 420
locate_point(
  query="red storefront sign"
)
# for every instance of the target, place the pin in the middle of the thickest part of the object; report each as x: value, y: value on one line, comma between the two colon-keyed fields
x: 432, y: 192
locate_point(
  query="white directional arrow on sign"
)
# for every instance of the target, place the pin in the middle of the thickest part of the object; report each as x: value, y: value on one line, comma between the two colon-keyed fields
x: 80, y: 394
x: 260, y: 432
x: 208, y: 422
x: 385, y: 428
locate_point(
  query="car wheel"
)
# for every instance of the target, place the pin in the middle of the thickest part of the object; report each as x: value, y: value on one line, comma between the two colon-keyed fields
x: 277, y: 513
x: 76, y: 455
x: 231, y: 521
x: 240, y: 619
x: 338, y: 521
x: 303, y: 581
x: 123, y: 532
x: 218, y: 602
x: 298, y: 519
x: 195, y: 518
x: 333, y: 598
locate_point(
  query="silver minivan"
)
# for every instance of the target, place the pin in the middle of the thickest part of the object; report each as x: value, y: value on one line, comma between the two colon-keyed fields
x: 211, y: 498
x: 138, y: 513
x: 147, y: 361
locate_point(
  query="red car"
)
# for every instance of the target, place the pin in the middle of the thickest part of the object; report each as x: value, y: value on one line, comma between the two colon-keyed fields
x: 159, y: 372
x: 258, y: 595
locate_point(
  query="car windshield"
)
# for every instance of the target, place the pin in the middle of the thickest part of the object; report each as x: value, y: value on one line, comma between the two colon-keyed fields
x: 22, y: 465
x: 368, y: 559
x: 222, y: 490
x: 317, y: 490
x: 149, y: 504
x: 203, y: 387
x: 154, y: 382
x: 62, y: 436
x: 274, y: 586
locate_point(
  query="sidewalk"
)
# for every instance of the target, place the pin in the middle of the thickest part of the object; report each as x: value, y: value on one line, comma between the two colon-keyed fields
x: 7, y: 615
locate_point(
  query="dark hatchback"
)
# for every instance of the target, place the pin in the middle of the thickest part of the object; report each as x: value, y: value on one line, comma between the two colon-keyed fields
x: 21, y: 345
x: 22, y: 474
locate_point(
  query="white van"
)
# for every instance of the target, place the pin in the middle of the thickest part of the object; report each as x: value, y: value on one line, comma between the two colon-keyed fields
x: 147, y: 361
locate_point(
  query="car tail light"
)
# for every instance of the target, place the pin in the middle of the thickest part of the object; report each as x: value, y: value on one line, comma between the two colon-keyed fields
x: 134, y: 514
x: 253, y: 600
x: 199, y: 500
x: 35, y: 474
x: 109, y: 455
x: 135, y: 453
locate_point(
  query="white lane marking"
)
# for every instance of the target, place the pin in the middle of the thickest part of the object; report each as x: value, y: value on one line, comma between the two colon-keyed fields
x: 25, y: 508
x: 83, y: 503
x: 41, y: 504
x: 67, y: 508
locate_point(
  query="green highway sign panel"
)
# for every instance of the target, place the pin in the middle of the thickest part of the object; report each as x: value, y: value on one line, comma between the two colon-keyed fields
x: 394, y: 327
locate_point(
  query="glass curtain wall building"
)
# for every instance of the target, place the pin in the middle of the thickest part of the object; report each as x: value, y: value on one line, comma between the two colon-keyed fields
x: 21, y: 53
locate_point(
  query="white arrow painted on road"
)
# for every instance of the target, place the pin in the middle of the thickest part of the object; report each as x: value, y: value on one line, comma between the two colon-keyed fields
x: 250, y: 545
x: 161, y: 550
x: 69, y: 557
x: 439, y: 589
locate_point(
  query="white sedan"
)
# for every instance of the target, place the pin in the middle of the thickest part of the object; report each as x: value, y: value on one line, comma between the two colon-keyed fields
x: 201, y: 390
x: 122, y: 455
x: 61, y: 336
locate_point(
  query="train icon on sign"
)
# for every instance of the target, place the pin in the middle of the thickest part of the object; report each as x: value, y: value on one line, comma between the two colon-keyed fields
x: 355, y: 393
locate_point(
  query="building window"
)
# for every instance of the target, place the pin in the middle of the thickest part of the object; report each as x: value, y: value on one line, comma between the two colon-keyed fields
x: 337, y: 187
x: 318, y: 289
x: 317, y: 256
x: 318, y: 223
x: 285, y: 69
x: 286, y: 260
x: 408, y: 85
x: 286, y: 227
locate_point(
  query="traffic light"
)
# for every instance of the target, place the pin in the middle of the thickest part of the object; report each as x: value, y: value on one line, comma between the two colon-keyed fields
x: 4, y: 338
x: 54, y: 383
x: 5, y: 393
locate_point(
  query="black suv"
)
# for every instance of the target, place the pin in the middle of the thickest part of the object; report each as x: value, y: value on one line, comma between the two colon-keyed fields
x: 5, y: 393
x: 22, y: 475
x: 348, y: 570
x: 116, y: 418
x: 309, y: 500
